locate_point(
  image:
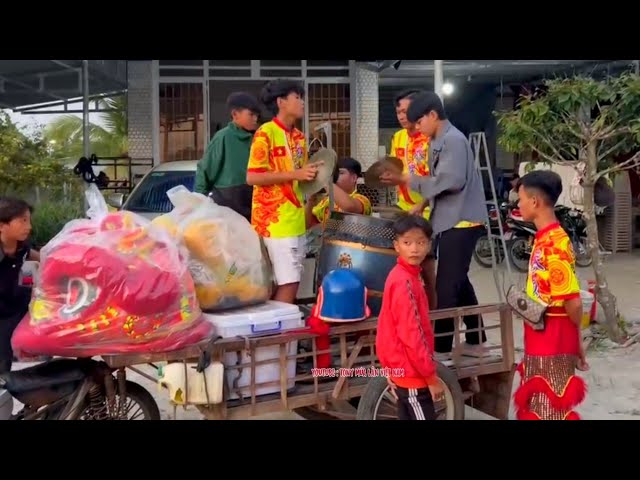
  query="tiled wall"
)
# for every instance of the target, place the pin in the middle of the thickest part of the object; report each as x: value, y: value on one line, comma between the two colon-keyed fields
x: 140, y: 115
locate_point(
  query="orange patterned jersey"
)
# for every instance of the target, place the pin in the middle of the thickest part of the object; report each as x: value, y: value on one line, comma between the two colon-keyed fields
x: 413, y: 150
x: 277, y: 211
x: 552, y: 277
x: 321, y: 210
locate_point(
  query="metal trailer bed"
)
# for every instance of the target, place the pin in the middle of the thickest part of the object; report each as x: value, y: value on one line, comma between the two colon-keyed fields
x: 481, y: 382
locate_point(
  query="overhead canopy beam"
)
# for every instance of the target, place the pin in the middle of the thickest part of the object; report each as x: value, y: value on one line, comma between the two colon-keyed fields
x: 33, y: 82
x: 30, y: 88
x: 70, y: 101
x: 64, y: 65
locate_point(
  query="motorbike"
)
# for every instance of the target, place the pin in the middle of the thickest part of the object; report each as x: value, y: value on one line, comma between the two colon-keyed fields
x: 521, y: 244
x: 482, y: 251
x: 575, y: 225
x: 74, y: 389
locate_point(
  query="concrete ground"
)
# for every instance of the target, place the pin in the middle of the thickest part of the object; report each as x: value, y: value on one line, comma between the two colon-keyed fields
x: 614, y: 378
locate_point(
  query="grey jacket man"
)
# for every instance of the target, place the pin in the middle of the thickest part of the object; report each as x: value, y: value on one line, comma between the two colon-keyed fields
x: 454, y: 186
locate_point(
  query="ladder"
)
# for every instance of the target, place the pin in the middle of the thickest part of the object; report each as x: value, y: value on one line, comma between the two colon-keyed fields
x: 478, y: 141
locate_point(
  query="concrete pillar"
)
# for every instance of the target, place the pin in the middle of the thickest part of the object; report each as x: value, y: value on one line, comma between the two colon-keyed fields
x: 503, y: 159
x: 364, y: 115
x: 140, y: 112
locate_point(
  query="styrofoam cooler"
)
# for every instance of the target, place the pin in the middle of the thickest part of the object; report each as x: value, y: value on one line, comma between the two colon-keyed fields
x: 6, y: 405
x: 268, y: 318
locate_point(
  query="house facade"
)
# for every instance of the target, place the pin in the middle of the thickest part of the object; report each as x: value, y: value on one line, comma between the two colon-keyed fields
x: 176, y: 106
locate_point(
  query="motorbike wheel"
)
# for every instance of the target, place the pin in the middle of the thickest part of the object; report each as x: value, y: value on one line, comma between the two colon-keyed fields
x: 139, y: 405
x: 519, y: 254
x: 482, y: 252
x: 377, y: 402
x: 583, y: 258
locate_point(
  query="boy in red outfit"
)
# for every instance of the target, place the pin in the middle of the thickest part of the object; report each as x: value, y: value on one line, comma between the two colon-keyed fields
x: 404, y: 340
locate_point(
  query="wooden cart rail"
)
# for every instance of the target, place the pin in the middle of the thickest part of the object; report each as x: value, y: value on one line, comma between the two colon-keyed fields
x: 352, y: 349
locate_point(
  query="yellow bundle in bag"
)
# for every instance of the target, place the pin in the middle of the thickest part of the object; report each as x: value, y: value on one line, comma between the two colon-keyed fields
x: 226, y: 260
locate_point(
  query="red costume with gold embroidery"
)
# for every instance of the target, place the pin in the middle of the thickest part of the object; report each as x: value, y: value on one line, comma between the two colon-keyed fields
x: 109, y: 286
x: 549, y: 389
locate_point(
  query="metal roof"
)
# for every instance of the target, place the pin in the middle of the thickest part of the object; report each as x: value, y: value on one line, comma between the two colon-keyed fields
x: 33, y: 82
x: 491, y: 71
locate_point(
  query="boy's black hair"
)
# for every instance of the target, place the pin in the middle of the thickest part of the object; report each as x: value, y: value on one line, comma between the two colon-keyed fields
x: 408, y: 222
x: 12, y: 208
x: 279, y: 88
x: 243, y: 101
x: 545, y: 182
x: 405, y: 94
x: 423, y: 103
x: 350, y: 164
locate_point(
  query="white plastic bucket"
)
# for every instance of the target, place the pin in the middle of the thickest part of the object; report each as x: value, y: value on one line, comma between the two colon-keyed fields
x: 587, y: 303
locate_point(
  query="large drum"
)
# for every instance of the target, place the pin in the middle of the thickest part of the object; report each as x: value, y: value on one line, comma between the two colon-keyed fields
x: 362, y: 243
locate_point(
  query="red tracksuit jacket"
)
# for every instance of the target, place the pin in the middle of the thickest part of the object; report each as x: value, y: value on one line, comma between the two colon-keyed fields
x: 404, y: 338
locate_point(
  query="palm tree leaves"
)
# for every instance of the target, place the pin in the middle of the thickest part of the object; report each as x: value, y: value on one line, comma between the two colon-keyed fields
x: 65, y: 133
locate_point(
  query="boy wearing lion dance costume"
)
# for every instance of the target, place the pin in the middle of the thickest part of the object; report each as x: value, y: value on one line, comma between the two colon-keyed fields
x: 549, y: 388
x: 277, y: 163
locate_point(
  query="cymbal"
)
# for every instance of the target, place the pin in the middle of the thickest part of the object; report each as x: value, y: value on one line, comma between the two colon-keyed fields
x: 386, y: 163
x: 325, y: 172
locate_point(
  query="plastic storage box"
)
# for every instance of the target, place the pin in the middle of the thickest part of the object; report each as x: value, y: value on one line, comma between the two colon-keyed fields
x: 265, y: 319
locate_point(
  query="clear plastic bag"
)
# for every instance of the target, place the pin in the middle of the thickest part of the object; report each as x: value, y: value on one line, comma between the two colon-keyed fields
x: 111, y: 284
x: 226, y: 258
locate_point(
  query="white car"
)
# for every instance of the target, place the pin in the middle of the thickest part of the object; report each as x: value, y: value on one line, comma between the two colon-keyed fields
x: 149, y: 198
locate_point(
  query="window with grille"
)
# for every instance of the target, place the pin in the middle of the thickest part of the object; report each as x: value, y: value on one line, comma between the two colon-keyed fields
x: 327, y: 68
x: 181, y: 68
x: 230, y: 68
x: 281, y: 68
x: 330, y: 103
x: 182, y: 129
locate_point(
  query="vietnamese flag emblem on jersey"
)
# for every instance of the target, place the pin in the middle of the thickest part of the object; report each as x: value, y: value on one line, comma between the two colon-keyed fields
x: 400, y: 153
x: 279, y: 152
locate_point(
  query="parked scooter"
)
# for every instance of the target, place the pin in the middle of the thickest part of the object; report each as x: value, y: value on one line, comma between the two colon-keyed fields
x: 482, y: 250
x: 519, y: 248
x: 521, y: 244
x: 74, y: 389
x: 574, y: 224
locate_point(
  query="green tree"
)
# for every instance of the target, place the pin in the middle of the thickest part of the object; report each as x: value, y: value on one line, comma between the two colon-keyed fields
x: 584, y: 123
x: 28, y: 171
x: 65, y: 134
x: 25, y: 162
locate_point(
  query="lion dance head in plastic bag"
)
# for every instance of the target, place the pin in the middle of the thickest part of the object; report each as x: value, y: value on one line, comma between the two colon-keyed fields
x: 111, y: 286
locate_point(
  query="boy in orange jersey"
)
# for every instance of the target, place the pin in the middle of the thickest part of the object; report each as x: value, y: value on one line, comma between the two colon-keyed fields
x: 277, y: 162
x: 404, y: 338
x: 412, y: 147
x: 550, y: 389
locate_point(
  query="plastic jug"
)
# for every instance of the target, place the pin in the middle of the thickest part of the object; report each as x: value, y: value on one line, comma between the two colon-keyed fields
x: 588, y: 301
x: 188, y: 386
